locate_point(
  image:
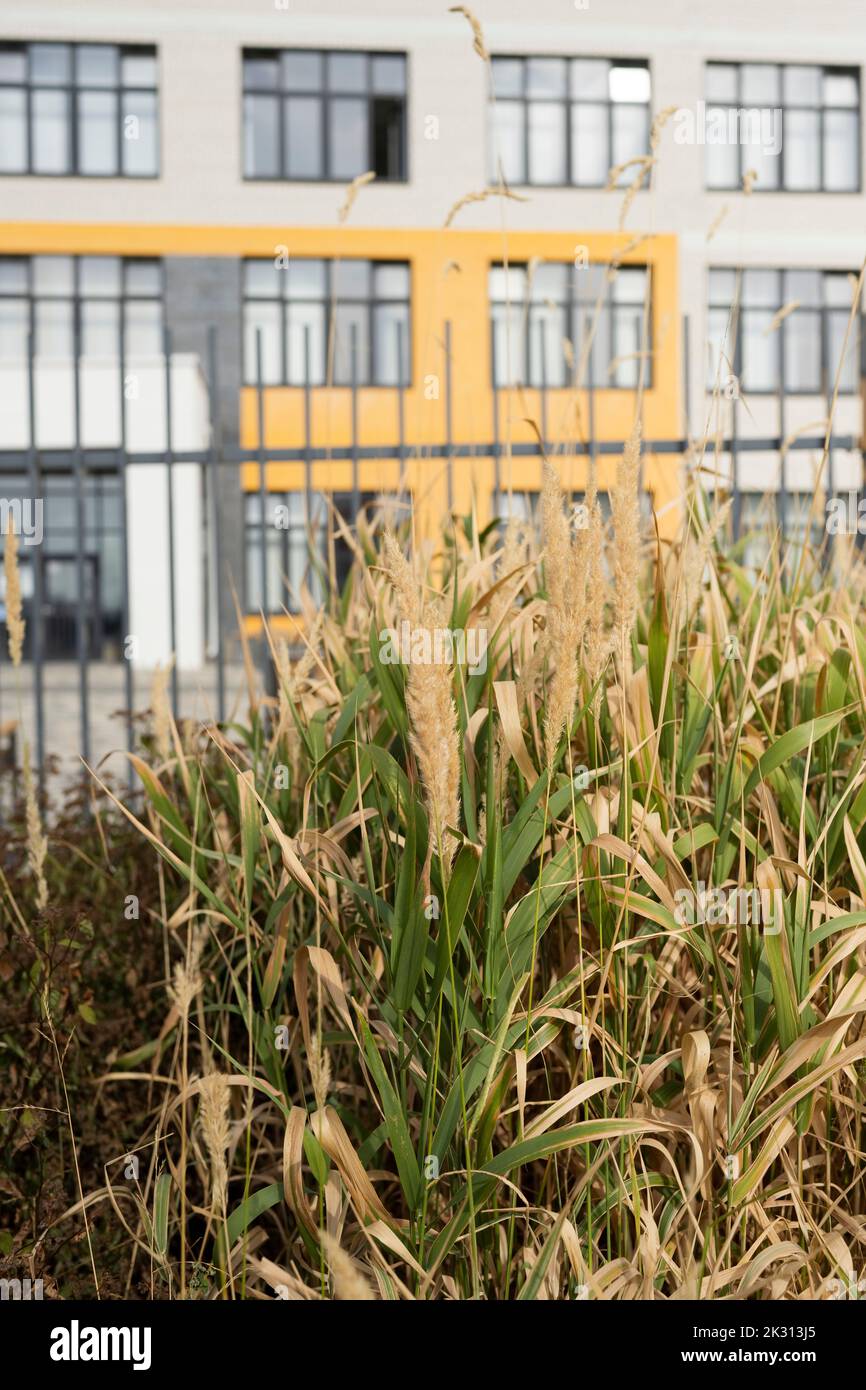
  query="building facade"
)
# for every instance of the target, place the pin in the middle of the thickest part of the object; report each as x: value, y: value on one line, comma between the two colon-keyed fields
x: 183, y: 166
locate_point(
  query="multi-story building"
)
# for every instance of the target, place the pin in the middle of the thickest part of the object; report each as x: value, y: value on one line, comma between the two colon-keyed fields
x: 183, y: 165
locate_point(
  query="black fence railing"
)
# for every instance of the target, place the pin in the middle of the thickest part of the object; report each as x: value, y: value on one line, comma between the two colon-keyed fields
x: 66, y: 607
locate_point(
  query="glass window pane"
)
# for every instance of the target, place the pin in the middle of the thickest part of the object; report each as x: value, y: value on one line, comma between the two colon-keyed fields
x: 548, y: 327
x: 507, y: 143
x: 722, y: 161
x: 264, y: 317
x: 351, y: 279
x: 720, y: 347
x: 509, y: 344
x: 50, y: 63
x: 550, y: 281
x: 13, y: 130
x: 261, y: 137
x: 143, y: 277
x: 838, y: 288
x: 100, y: 327
x: 53, y: 275
x: 837, y: 327
x: 351, y: 318
x: 390, y: 281
x: 723, y: 286
x: 760, y: 350
x: 630, y: 285
x: 589, y: 79
x: 14, y: 328
x: 629, y: 83
x: 802, y: 149
x: 139, y: 142
x: 841, y: 151
x: 841, y: 88
x: 630, y: 134
x: 507, y: 285
x: 545, y: 77
x: 508, y: 77
x: 307, y: 278
x: 50, y: 132
x: 97, y: 132
x: 547, y: 142
x: 389, y: 74
x: 96, y: 65
x: 804, y: 286
x: 387, y: 320
x: 99, y: 276
x: 758, y: 155
x: 143, y: 328
x: 627, y: 347
x: 262, y: 279
x: 302, y: 320
x: 761, y: 288
x: 590, y: 156
x: 304, y: 137
x: 138, y: 69
x: 347, y: 72
x: 302, y: 71
x: 261, y: 71
x: 54, y: 332
x: 388, y: 137
x: 13, y: 275
x: 349, y: 138
x: 802, y: 349
x: 801, y: 85
x: 13, y: 64
x: 721, y: 83
x: 759, y: 84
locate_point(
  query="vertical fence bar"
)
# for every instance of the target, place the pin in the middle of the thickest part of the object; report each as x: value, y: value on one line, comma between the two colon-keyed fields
x: 81, y: 541
x: 308, y: 434
x: 687, y: 385
x: 213, y: 477
x: 735, y: 469
x: 36, y: 629
x: 782, y: 494
x: 449, y: 433
x: 122, y: 460
x: 169, y: 485
x: 356, y: 490
x: 542, y: 342
x: 263, y: 481
x: 497, y: 471
x: 401, y: 403
x: 591, y: 389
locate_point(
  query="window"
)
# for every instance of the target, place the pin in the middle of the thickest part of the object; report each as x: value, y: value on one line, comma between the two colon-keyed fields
x: 89, y: 299
x: 559, y: 121
x: 322, y: 308
x: 83, y: 108
x: 803, y: 351
x: 296, y: 553
x: 797, y: 126
x: 541, y: 320
x: 317, y: 116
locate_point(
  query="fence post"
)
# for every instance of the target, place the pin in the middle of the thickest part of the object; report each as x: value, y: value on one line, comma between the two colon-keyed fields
x: 448, y: 422
x: 213, y: 467
x: 33, y: 471
x: 122, y: 461
x: 81, y: 542
x: 356, y: 491
x: 169, y: 483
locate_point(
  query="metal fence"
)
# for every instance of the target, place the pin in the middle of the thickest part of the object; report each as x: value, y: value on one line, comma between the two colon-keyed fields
x: 80, y: 464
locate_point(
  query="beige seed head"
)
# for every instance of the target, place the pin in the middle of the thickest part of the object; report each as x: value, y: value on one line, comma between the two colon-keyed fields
x: 14, y: 611
x: 350, y: 1284
x: 215, y: 1095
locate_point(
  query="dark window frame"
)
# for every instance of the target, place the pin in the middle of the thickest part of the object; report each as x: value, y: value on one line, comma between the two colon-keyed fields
x: 822, y: 312
x: 568, y: 102
x: 821, y: 108
x: 325, y: 95
x: 77, y: 298
x: 72, y: 89
x: 329, y: 303
x: 572, y: 305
